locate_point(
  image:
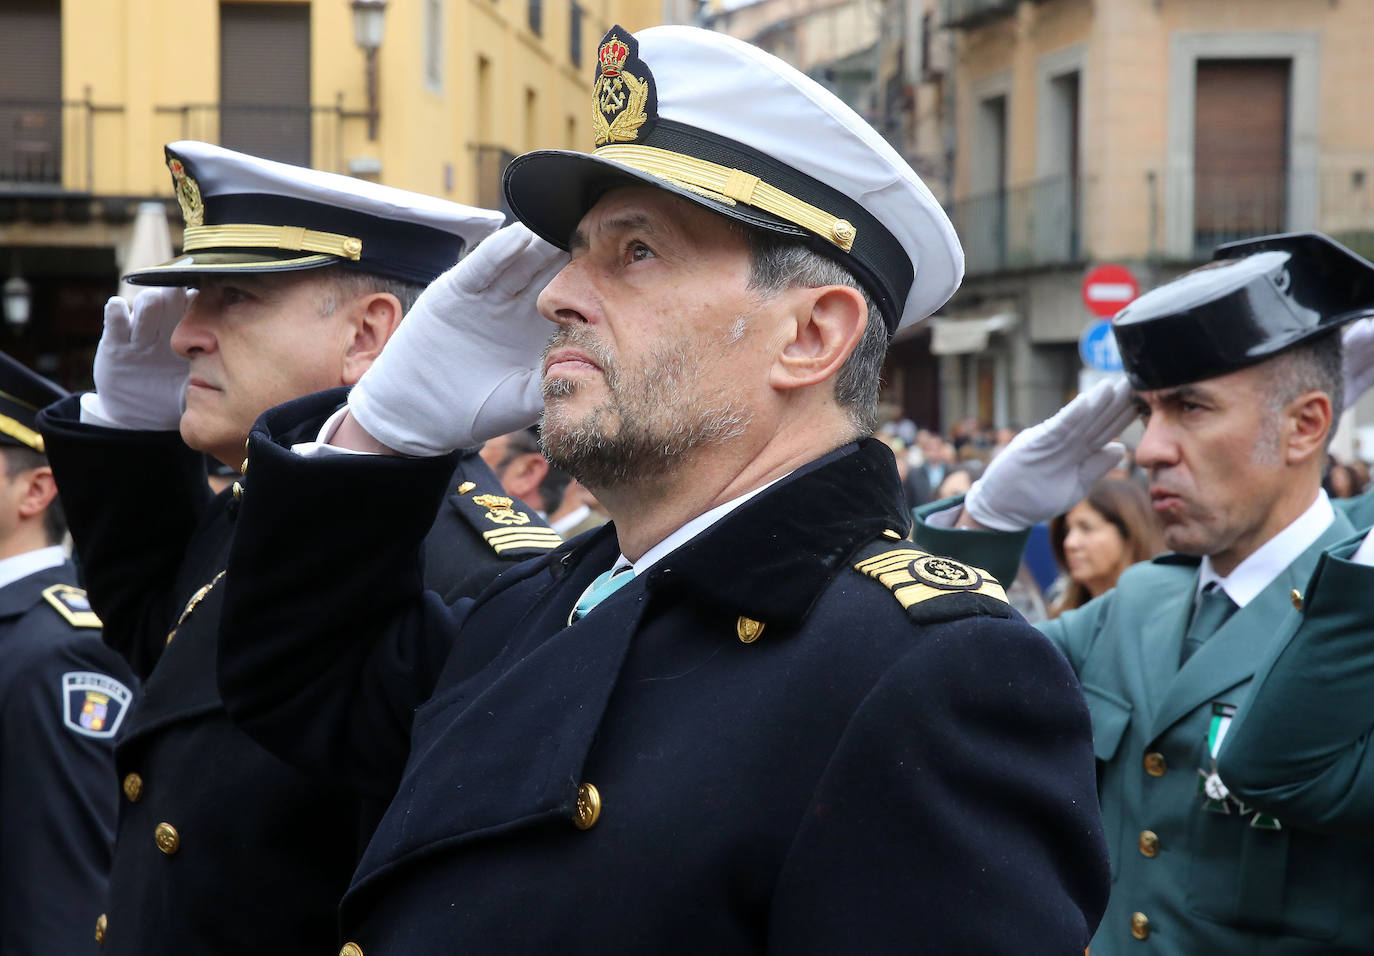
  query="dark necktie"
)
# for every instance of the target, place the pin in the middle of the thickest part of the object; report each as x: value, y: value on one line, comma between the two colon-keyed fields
x: 1214, y: 606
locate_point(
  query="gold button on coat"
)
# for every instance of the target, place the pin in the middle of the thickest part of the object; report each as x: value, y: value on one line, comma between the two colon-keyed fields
x: 133, y: 787
x: 748, y: 629
x: 1296, y: 595
x: 1149, y: 843
x: 1140, y: 926
x: 351, y: 949
x: 167, y: 839
x: 588, y: 807
x: 1155, y: 764
x: 101, y: 924
x: 237, y: 490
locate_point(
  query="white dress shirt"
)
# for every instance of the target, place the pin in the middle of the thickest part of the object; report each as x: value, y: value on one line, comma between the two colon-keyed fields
x: 1259, y: 570
x: 31, y: 562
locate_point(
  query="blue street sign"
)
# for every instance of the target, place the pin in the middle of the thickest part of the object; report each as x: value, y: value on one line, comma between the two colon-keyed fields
x: 1097, y: 347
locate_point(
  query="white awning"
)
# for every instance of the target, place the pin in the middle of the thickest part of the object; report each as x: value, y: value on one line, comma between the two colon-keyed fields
x: 958, y: 336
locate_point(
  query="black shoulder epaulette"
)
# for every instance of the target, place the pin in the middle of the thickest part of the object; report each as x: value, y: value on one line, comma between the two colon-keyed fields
x: 513, y: 533
x: 71, y: 603
x: 933, y: 588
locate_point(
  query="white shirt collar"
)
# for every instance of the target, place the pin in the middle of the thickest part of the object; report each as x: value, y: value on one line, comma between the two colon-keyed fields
x: 31, y: 562
x: 571, y: 519
x: 1259, y: 570
x: 689, y: 531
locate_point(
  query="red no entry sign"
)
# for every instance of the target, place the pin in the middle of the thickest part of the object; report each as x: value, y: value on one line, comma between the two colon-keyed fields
x: 1108, y: 289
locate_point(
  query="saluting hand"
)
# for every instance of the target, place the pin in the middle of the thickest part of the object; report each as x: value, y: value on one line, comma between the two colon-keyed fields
x: 464, y: 366
x: 1049, y: 468
x: 140, y: 383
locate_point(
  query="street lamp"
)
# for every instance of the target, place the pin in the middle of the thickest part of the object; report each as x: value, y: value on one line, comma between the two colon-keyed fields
x: 18, y: 298
x: 368, y: 22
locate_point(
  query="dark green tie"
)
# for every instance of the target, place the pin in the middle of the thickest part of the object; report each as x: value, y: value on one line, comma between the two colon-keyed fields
x: 1214, y: 606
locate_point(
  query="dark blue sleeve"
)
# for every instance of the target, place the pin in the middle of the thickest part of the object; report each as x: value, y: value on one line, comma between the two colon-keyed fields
x: 328, y: 640
x: 58, y: 802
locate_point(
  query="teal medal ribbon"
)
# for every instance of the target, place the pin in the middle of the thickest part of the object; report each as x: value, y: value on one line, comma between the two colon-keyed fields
x: 1215, y: 797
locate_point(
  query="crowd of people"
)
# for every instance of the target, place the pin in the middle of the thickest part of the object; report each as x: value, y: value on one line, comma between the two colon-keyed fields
x: 567, y: 594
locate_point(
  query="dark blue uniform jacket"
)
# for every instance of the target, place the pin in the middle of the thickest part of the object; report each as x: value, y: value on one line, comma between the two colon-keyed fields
x: 855, y: 777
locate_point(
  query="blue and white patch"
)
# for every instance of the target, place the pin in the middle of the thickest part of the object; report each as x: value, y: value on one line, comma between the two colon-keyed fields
x: 93, y: 704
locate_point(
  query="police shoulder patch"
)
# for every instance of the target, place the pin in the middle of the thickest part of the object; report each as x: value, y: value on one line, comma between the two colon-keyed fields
x: 508, y: 528
x: 933, y: 588
x: 71, y: 603
x: 93, y: 704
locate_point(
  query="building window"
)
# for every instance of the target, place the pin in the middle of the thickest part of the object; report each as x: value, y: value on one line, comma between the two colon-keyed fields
x: 531, y: 119
x: 264, y: 84
x: 537, y: 17
x: 434, y: 45
x: 575, y: 35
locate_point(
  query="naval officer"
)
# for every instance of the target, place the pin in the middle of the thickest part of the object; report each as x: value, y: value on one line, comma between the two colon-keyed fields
x: 300, y: 279
x: 1235, y: 369
x: 746, y: 716
x: 63, y: 696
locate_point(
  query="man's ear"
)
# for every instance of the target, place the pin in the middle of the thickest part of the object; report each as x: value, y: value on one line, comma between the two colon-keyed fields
x: 372, y: 321
x: 39, y: 490
x: 824, y: 326
x: 1309, y: 425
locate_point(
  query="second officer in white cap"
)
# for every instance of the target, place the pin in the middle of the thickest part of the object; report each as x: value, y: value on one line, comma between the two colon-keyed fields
x: 302, y: 277
x: 744, y: 717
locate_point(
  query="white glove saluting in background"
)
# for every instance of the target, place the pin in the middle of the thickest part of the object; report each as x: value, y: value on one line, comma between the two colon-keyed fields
x: 140, y: 383
x: 464, y: 366
x: 1048, y: 469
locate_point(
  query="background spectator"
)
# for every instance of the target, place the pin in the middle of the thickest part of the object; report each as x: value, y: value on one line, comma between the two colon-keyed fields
x: 1101, y: 536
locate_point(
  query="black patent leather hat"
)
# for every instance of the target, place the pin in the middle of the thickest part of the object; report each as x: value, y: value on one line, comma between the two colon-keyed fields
x: 1258, y: 298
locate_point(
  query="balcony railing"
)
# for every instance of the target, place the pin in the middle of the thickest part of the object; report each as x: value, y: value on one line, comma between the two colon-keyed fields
x: 967, y: 14
x: 50, y: 143
x: 1034, y: 225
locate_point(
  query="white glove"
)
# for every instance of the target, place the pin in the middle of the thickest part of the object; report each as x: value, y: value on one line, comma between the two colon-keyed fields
x: 1357, y: 365
x: 140, y: 383
x: 464, y: 366
x: 1049, y: 468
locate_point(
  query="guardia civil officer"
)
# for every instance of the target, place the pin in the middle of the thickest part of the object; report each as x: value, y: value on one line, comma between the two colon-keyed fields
x: 746, y: 717
x: 300, y: 279
x: 63, y: 695
x: 1235, y: 369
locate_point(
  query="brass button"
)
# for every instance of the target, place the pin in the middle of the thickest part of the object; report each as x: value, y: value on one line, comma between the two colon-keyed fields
x: 466, y: 486
x: 1140, y: 926
x: 748, y: 629
x: 1149, y: 843
x: 351, y: 949
x: 243, y: 468
x: 1155, y: 764
x: 238, y: 490
x: 133, y: 787
x: 1296, y: 595
x: 843, y: 231
x: 588, y: 807
x: 101, y: 924
x: 891, y: 535
x: 167, y: 839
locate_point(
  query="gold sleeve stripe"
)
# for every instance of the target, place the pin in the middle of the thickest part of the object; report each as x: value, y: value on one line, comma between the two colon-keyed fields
x: 529, y: 539
x: 730, y: 186
x: 500, y: 534
x: 294, y: 238
x: 21, y: 432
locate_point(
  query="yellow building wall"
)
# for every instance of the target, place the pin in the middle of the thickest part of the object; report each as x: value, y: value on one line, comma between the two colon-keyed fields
x: 1124, y: 96
x: 137, y: 55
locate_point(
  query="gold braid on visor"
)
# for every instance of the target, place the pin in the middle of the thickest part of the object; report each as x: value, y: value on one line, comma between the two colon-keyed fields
x: 21, y: 432
x: 727, y: 185
x: 294, y: 238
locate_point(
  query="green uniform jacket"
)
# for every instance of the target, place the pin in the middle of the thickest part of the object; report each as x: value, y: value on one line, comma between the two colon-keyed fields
x: 1299, y: 747
x: 1191, y: 880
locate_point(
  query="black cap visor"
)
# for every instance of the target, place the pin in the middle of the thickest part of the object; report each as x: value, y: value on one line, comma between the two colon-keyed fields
x: 187, y: 269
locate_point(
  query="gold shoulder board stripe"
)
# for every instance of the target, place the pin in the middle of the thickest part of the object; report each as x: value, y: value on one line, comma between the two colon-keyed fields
x: 71, y: 603
x: 894, y: 570
x: 507, y: 539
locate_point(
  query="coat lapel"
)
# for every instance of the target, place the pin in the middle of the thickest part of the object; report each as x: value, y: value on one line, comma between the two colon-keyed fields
x: 1235, y: 650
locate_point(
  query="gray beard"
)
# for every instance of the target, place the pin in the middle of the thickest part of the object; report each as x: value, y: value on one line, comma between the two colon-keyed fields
x: 649, y: 422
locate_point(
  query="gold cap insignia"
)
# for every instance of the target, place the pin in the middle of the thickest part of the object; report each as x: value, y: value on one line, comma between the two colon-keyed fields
x: 623, y: 98
x: 188, y: 194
